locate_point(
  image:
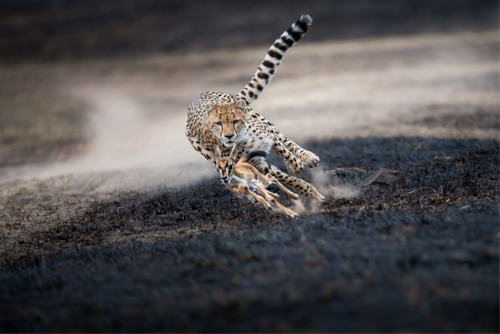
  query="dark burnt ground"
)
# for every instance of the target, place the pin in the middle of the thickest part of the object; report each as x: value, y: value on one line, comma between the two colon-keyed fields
x: 418, y: 257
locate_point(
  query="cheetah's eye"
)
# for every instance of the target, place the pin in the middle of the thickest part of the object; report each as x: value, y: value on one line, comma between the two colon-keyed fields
x: 236, y: 121
x: 218, y: 123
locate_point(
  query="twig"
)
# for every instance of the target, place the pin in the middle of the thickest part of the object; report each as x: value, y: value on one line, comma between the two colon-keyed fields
x: 347, y: 170
x: 420, y: 188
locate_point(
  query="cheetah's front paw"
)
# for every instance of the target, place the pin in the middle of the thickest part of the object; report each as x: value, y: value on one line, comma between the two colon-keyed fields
x: 310, y: 159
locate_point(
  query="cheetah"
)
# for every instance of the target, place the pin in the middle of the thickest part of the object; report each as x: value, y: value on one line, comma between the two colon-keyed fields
x: 219, y: 120
x: 246, y: 181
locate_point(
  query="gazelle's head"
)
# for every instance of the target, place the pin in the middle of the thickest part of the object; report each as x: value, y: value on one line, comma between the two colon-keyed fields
x: 227, y: 121
x: 225, y: 165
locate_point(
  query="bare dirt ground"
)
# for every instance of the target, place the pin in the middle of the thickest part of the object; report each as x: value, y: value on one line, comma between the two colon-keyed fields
x: 110, y: 221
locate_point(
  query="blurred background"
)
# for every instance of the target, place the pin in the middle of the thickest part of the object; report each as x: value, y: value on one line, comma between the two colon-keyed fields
x: 56, y: 30
x: 110, y: 221
x: 109, y: 81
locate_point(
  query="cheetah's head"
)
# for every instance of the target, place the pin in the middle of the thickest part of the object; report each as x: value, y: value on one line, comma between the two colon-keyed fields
x: 227, y: 121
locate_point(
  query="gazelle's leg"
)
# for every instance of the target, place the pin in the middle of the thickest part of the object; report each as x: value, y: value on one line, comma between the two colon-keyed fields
x: 259, y: 198
x: 300, y: 185
x: 273, y: 200
x: 264, y: 191
x: 288, y: 211
x: 287, y: 191
x: 262, y: 178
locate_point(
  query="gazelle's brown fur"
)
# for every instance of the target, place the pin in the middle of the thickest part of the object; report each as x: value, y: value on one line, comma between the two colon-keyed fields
x: 216, y: 119
x: 246, y: 181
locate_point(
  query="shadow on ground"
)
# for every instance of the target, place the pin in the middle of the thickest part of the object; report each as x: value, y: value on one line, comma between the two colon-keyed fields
x: 417, y: 257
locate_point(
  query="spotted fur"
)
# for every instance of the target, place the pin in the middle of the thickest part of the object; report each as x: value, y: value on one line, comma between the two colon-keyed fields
x: 246, y: 181
x: 256, y: 133
x: 268, y: 67
x: 220, y: 121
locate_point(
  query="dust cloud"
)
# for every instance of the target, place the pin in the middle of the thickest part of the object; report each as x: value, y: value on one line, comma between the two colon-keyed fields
x: 378, y: 87
x: 329, y: 186
x: 142, y: 152
x: 334, y: 186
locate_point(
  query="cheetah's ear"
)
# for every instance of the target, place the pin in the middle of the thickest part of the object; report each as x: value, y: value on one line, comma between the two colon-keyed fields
x: 241, y: 104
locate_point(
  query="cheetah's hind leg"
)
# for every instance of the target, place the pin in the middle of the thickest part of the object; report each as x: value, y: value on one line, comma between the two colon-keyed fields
x: 305, y: 188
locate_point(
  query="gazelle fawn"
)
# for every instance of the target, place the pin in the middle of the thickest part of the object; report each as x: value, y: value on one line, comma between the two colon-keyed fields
x: 246, y: 181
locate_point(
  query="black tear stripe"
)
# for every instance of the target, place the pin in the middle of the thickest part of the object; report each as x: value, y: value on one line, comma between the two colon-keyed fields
x: 274, y: 54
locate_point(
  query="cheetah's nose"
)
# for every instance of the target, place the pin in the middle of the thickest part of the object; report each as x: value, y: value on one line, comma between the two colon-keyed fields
x: 225, y: 180
x: 229, y: 136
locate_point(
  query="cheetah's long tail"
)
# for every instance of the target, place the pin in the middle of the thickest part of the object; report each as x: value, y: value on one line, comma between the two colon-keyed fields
x: 272, y: 60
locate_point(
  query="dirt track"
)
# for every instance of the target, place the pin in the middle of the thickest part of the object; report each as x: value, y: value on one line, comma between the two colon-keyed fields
x: 110, y: 221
